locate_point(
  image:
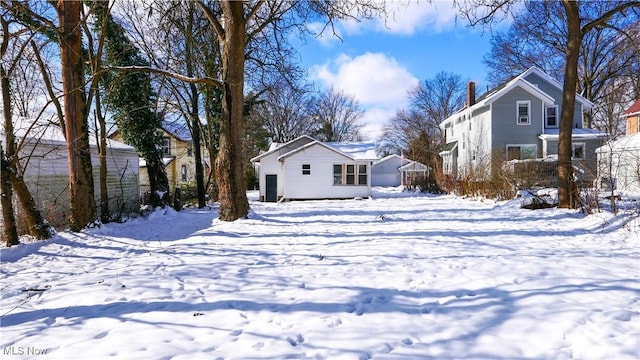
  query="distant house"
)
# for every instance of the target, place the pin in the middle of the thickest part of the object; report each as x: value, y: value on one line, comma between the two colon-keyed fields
x: 305, y: 168
x: 517, y: 121
x: 396, y: 170
x: 619, y: 160
x: 385, y: 172
x: 413, y: 173
x: 46, y: 171
x: 177, y: 154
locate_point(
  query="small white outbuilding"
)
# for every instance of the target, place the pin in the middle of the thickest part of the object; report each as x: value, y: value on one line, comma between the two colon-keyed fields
x: 43, y: 156
x: 619, y: 165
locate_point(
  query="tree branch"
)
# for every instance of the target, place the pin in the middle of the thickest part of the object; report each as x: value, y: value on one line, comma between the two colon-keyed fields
x: 602, y: 20
x: 213, y: 20
x: 147, y: 69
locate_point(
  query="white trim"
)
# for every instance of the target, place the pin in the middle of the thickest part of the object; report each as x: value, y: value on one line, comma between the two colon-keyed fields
x: 584, y: 150
x: 519, y: 117
x: 535, y: 146
x: 546, y: 119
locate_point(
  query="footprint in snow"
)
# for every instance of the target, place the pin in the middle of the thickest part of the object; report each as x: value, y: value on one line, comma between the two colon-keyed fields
x: 407, y: 341
x: 297, y: 341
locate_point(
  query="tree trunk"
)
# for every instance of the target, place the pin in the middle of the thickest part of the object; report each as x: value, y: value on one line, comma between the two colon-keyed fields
x: 195, y: 110
x: 229, y: 163
x: 104, y: 190
x: 567, y: 189
x: 81, y: 193
x: 9, y: 232
x: 195, y: 144
x: 37, y: 227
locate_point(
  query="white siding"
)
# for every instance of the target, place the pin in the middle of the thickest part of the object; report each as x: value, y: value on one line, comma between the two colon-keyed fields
x: 319, y: 184
x: 46, y: 174
x: 269, y: 165
x: 622, y: 165
x: 385, y: 172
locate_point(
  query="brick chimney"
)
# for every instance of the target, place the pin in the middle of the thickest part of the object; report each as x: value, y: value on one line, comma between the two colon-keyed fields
x: 471, y: 94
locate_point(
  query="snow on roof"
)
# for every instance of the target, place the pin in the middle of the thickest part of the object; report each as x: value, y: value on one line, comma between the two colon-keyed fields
x: 414, y: 166
x: 49, y: 132
x: 361, y: 150
x: 178, y: 129
x: 631, y: 142
x: 579, y: 133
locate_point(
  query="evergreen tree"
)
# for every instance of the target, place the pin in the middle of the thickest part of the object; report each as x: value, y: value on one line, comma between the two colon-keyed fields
x: 131, y: 95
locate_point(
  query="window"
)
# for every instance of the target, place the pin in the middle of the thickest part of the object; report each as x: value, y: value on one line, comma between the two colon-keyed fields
x: 337, y: 174
x: 520, y: 152
x: 523, y: 112
x: 183, y: 172
x: 551, y: 114
x: 166, y: 146
x: 577, y: 151
x: 306, y: 169
x: 362, y: 174
x: 350, y: 174
x: 189, y: 148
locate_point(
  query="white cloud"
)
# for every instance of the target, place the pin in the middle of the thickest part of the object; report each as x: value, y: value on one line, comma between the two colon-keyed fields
x: 377, y: 81
x: 372, y: 78
x: 374, y: 120
x: 406, y: 18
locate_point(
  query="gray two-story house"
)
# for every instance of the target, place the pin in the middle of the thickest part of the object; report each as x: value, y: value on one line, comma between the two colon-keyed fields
x: 517, y: 120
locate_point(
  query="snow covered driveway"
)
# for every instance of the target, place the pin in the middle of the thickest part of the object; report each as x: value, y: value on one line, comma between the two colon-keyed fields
x: 400, y: 276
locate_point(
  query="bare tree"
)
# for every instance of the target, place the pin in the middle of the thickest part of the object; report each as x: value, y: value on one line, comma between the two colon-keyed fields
x: 416, y: 131
x: 67, y: 33
x: 577, y: 24
x: 237, y: 27
x: 284, y: 111
x: 12, y: 178
x: 536, y: 38
x: 236, y: 24
x: 336, y: 116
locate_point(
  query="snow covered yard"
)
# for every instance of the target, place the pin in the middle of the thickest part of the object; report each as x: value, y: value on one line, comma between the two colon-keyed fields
x: 399, y: 276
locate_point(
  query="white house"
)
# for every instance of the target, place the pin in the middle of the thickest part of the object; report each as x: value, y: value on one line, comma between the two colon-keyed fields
x: 305, y: 168
x: 43, y: 155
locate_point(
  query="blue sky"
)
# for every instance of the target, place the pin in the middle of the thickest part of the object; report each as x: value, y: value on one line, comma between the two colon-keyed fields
x: 378, y: 63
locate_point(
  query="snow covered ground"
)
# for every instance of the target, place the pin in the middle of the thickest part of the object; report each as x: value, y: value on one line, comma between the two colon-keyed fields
x: 399, y: 276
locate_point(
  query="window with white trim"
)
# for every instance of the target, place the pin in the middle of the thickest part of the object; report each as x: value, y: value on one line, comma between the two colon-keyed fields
x: 166, y: 146
x: 350, y: 174
x: 521, y: 151
x: 551, y: 116
x: 578, y: 151
x: 523, y: 112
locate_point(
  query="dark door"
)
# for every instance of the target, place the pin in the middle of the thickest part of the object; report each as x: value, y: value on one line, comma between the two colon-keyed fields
x: 271, y: 193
